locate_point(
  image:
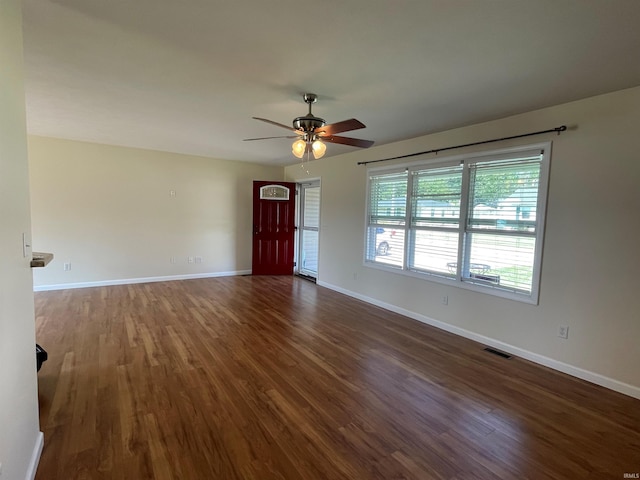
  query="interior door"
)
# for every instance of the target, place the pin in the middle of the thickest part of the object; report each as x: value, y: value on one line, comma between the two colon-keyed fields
x: 273, y: 228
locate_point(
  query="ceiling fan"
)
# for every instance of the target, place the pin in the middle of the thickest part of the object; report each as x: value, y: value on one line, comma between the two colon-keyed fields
x: 311, y: 132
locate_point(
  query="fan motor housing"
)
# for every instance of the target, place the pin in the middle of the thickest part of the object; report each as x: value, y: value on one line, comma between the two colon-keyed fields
x: 308, y: 123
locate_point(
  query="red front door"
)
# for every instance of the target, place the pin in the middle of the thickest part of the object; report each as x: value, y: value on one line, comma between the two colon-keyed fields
x: 273, y: 228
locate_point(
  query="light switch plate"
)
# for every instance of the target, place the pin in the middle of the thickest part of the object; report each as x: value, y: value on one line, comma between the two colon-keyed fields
x: 26, y: 245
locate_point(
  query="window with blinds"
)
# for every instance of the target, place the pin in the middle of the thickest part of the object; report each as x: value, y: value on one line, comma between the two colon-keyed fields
x: 387, y: 215
x: 475, y: 221
x: 309, y: 232
x: 435, y: 219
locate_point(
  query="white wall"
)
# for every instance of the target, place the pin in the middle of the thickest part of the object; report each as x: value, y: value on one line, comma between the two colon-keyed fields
x: 20, y: 440
x: 108, y: 211
x: 591, y: 256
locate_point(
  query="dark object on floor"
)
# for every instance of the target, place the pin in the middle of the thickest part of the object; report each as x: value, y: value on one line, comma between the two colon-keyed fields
x: 41, y: 356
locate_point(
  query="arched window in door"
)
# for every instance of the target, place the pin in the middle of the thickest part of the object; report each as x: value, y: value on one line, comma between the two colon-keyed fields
x: 274, y: 192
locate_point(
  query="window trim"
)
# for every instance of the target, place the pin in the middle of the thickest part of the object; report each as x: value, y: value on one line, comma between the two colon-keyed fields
x: 466, y: 159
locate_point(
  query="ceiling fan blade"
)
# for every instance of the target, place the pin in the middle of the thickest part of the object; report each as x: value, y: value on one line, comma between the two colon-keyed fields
x: 267, y: 138
x: 339, y: 127
x: 354, y: 142
x: 279, y: 125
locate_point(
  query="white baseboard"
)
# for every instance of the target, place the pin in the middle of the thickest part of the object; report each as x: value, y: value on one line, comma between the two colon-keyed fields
x: 127, y: 281
x: 572, y: 370
x: 35, y: 457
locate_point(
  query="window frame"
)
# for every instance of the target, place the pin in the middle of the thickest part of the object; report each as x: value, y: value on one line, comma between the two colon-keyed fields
x: 464, y: 230
x: 369, y: 247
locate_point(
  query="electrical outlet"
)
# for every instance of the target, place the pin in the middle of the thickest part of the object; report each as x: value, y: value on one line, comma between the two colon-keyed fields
x: 67, y: 266
x: 190, y: 259
x: 198, y: 259
x: 172, y: 259
x: 172, y: 193
x: 563, y: 331
x: 444, y: 299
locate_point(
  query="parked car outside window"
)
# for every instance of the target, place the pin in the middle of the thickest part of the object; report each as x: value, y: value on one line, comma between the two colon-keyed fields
x: 384, y: 240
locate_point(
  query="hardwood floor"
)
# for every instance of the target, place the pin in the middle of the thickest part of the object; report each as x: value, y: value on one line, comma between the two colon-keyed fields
x: 277, y: 378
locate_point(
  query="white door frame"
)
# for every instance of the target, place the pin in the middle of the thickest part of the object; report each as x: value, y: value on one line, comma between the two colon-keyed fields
x: 302, y: 228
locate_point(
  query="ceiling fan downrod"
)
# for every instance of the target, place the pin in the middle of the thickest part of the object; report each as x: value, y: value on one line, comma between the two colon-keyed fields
x: 309, y: 122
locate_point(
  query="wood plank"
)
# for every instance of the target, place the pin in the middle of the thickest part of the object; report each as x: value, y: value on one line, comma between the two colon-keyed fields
x: 278, y: 378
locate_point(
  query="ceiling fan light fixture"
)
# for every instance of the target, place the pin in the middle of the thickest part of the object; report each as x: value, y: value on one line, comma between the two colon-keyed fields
x: 298, y: 148
x: 313, y: 132
x: 318, y: 149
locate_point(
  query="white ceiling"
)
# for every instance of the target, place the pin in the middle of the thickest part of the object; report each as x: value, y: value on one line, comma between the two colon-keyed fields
x: 188, y: 76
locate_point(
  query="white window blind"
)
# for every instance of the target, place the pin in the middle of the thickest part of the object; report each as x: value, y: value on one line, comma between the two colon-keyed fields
x: 501, y: 227
x: 387, y: 217
x: 388, y: 199
x: 435, y: 220
x: 309, y: 229
x: 475, y: 221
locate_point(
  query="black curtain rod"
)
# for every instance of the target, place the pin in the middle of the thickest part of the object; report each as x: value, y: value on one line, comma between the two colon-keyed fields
x: 436, y: 150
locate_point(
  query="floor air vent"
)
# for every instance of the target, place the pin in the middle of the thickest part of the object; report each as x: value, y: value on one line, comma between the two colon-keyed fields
x: 497, y: 352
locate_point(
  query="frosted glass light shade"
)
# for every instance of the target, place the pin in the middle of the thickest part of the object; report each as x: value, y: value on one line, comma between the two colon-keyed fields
x: 318, y: 149
x: 298, y: 148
